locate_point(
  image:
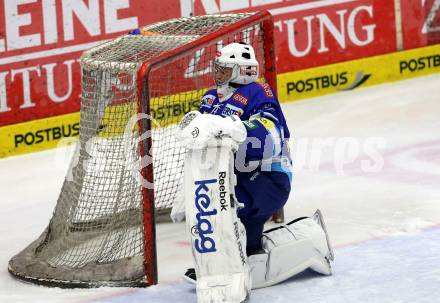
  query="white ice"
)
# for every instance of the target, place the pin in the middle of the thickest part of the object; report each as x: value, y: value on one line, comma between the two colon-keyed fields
x: 369, y: 159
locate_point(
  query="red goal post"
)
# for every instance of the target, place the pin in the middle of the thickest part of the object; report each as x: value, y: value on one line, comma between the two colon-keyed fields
x: 128, y: 166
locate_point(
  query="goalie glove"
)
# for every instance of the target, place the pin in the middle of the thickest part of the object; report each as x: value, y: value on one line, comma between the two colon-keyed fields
x: 197, y: 131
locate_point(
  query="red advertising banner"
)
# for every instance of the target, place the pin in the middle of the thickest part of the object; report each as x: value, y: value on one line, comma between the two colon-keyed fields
x: 320, y: 32
x: 42, y: 40
x: 420, y: 22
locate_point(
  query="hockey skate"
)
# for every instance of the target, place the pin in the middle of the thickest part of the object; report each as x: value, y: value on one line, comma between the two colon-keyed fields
x: 190, y: 276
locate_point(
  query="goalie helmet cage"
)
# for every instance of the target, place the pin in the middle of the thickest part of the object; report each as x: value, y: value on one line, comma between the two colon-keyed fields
x: 127, y: 165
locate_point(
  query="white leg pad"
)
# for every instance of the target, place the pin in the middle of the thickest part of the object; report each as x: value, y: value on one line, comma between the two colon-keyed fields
x: 218, y: 238
x: 290, y: 250
x: 223, y: 288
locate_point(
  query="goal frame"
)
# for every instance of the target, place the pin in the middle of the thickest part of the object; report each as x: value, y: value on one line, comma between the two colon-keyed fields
x: 101, y: 235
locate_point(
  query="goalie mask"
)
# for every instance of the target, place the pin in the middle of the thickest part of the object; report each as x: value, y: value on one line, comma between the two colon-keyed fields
x: 235, y: 63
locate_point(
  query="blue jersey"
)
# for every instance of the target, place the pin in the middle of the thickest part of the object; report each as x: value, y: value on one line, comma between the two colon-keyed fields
x: 259, y: 109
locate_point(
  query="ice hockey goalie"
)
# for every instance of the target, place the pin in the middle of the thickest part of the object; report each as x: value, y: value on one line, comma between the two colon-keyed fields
x: 237, y: 175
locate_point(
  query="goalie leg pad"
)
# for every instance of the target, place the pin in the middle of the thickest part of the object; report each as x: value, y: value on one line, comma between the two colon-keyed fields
x: 218, y: 237
x: 291, y: 249
x: 223, y: 288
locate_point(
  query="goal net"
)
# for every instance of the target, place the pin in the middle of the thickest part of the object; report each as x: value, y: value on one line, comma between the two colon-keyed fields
x: 127, y: 166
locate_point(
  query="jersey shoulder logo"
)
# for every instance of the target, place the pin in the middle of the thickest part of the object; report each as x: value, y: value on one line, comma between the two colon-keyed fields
x: 208, y: 101
x: 267, y: 89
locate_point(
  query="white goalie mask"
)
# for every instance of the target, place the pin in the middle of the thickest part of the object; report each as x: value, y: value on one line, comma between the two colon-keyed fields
x: 240, y: 58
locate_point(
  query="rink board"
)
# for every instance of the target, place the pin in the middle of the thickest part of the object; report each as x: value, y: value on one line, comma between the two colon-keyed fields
x: 47, y: 133
x: 356, y: 74
x: 38, y: 135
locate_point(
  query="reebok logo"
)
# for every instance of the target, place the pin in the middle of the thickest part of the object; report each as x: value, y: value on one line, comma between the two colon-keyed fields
x: 223, y: 192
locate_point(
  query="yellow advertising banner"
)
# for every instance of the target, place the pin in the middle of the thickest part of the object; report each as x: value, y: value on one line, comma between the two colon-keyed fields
x: 356, y: 74
x: 37, y: 135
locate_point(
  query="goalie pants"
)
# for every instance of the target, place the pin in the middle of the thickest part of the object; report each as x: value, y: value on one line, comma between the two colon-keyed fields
x: 263, y: 193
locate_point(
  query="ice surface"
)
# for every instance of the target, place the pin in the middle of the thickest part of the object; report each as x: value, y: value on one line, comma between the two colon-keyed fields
x: 383, y: 221
x: 388, y: 270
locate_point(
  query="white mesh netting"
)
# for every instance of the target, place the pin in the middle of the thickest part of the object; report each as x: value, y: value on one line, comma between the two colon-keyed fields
x: 97, y: 233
